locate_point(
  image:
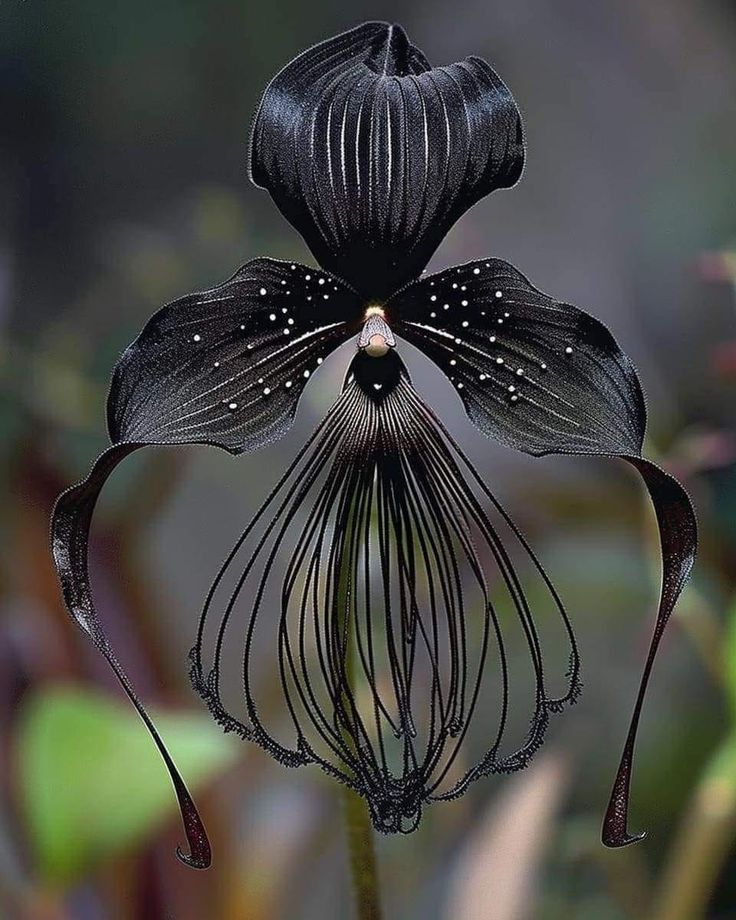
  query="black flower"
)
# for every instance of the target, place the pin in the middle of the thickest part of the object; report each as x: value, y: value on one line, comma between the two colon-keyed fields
x: 381, y: 571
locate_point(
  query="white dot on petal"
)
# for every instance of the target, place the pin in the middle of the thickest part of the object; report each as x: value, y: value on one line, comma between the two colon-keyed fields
x: 433, y: 315
x: 290, y: 321
x: 476, y: 271
x: 514, y: 398
x: 287, y: 384
x: 197, y: 338
x: 306, y: 373
x: 492, y: 338
x: 499, y: 294
x: 453, y: 362
x: 507, y: 315
x: 260, y: 379
x: 465, y: 323
x: 272, y: 317
x: 520, y: 371
x: 433, y: 297
x: 307, y: 277
x: 482, y: 377
x: 320, y: 360
x: 459, y: 386
x: 321, y: 281
x: 464, y: 303
x: 454, y: 285
x: 568, y: 350
x: 262, y: 292
x: 293, y: 267
x: 287, y: 331
x: 266, y: 391
x: 458, y: 341
x: 543, y: 366
x: 232, y: 405
x: 499, y: 360
x: 446, y: 306
x: 217, y: 363
x: 326, y: 296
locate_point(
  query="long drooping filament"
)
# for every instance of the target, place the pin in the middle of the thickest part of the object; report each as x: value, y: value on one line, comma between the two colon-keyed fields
x: 383, y: 582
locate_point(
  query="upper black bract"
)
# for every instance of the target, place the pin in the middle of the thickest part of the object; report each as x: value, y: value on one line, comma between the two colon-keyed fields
x: 382, y: 572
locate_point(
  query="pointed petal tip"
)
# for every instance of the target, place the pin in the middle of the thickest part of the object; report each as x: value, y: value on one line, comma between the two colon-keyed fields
x: 616, y: 839
x: 195, y: 860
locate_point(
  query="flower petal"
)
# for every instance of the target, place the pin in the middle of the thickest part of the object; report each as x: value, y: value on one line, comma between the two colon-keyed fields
x: 394, y: 592
x: 227, y: 368
x: 372, y: 155
x: 545, y: 377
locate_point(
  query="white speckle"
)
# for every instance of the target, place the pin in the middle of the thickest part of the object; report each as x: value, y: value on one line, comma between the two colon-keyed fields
x: 284, y: 310
x: 260, y: 379
x: 512, y: 388
x: 262, y: 292
x: 242, y: 327
x: 290, y: 321
x: 499, y: 294
x: 283, y: 282
x: 453, y: 362
x: 250, y: 346
x: 492, y: 338
x: 465, y: 323
x: 481, y: 377
x: 321, y: 281
x: 266, y: 391
x: 287, y: 331
x: 320, y: 360
x: 464, y: 303
x: 307, y: 277
x: 458, y: 341
x: 377, y: 386
x: 520, y: 372
x: 232, y: 405
x: 287, y: 293
x: 507, y: 315
x: 446, y: 306
x: 568, y: 350
x: 217, y: 363
x: 306, y: 373
x: 476, y: 271
x: 514, y: 398
x: 433, y: 315
x: 287, y: 384
x: 543, y: 366
x: 433, y: 298
x: 293, y: 267
x: 197, y: 338
x: 499, y: 321
x: 499, y: 360
x: 309, y: 296
x: 463, y: 287
x: 459, y: 386
x: 326, y: 296
x: 272, y: 317
x: 454, y: 285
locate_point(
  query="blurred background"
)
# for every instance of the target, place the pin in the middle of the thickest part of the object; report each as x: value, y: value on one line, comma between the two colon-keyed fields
x: 123, y: 185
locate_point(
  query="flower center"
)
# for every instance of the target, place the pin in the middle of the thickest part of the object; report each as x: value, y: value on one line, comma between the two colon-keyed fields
x: 376, y: 337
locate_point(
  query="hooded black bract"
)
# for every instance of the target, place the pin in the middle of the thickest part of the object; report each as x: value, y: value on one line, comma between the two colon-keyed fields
x: 372, y: 155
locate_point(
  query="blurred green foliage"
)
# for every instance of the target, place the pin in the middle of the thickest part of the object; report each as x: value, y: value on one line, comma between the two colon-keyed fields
x: 91, y: 782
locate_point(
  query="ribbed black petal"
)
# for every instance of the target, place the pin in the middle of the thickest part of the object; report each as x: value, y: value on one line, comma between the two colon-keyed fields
x: 545, y: 377
x: 225, y: 367
x: 391, y: 588
x: 372, y: 155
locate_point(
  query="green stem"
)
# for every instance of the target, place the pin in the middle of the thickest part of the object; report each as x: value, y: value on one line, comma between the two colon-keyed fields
x: 362, y: 856
x: 358, y: 825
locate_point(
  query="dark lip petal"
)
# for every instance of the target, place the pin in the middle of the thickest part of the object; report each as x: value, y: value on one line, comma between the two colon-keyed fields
x: 370, y: 608
x: 227, y: 366
x: 544, y: 377
x: 372, y: 155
